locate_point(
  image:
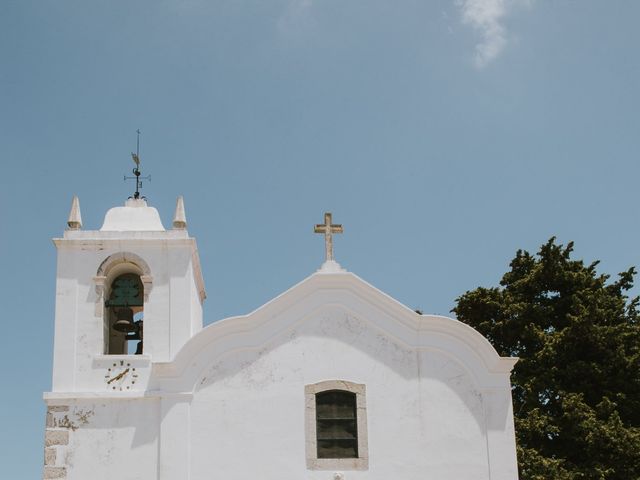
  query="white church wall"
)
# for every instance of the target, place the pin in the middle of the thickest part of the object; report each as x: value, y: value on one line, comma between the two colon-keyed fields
x: 103, y: 439
x: 424, y: 412
x: 196, y: 305
x: 500, y: 434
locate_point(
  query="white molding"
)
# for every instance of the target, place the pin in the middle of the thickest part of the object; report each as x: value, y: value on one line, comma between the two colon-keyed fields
x: 123, y: 257
x: 355, y: 296
x: 51, y: 398
x: 197, y: 272
x: 102, y: 240
x: 121, y: 356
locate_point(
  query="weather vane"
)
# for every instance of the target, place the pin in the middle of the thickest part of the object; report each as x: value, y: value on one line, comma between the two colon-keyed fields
x: 136, y: 170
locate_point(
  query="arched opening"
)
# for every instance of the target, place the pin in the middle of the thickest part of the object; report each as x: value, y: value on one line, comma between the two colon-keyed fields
x: 124, y: 312
x: 123, y: 283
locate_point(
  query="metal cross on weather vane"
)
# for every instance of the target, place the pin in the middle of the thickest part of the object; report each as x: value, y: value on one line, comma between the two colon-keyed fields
x: 136, y: 170
x: 328, y: 229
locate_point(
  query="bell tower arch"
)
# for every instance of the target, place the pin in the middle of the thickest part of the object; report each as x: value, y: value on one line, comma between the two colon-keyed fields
x: 123, y: 283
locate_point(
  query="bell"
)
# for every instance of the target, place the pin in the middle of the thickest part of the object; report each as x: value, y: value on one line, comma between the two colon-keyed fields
x: 124, y: 322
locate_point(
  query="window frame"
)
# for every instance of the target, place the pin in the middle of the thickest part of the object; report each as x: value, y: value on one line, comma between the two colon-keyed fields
x: 315, y: 463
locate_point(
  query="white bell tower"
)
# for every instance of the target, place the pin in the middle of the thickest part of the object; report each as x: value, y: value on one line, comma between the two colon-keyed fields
x: 132, y: 272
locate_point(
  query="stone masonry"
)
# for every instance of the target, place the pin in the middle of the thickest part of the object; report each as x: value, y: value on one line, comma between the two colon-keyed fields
x: 56, y: 443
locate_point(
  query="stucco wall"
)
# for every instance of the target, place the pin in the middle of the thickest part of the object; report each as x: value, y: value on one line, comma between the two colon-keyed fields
x: 172, y: 308
x: 102, y: 440
x: 425, y: 414
x: 231, y: 403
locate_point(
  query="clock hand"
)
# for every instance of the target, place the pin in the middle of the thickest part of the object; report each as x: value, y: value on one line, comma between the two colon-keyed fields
x: 117, y: 377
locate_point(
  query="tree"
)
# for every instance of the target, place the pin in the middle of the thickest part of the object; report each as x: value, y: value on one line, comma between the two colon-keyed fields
x: 576, y: 387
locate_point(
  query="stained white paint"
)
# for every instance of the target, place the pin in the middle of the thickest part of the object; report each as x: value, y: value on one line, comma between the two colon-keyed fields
x: 228, y: 401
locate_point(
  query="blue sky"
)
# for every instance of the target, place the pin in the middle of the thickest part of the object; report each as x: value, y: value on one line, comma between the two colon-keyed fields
x: 443, y: 135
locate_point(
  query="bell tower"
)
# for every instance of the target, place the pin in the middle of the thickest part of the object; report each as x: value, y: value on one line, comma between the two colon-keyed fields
x: 127, y: 295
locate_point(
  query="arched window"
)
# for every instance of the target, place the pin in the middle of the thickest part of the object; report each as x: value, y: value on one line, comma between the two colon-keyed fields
x: 124, y: 312
x: 336, y: 426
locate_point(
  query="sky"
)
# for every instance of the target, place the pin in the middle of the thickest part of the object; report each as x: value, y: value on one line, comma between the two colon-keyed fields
x: 444, y: 135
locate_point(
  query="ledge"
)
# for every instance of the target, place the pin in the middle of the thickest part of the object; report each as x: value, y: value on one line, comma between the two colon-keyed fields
x: 116, y: 358
x: 57, y: 397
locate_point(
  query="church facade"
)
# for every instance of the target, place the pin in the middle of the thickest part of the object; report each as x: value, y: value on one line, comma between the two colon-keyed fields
x: 331, y: 380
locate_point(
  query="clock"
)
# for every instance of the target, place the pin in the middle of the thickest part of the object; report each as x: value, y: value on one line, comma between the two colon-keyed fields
x: 121, y: 376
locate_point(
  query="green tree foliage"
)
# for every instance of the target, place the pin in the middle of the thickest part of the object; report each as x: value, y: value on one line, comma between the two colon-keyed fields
x: 576, y: 387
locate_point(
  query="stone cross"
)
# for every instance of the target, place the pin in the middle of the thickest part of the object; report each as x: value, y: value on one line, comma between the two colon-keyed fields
x: 328, y: 229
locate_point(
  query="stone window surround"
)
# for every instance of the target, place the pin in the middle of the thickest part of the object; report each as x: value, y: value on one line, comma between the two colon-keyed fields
x: 117, y: 259
x: 311, y: 446
x: 135, y: 265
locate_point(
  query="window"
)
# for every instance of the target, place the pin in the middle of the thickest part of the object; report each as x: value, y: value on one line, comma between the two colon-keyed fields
x: 336, y: 426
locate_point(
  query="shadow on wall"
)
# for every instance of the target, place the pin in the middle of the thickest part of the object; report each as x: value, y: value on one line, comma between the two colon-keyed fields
x: 328, y: 339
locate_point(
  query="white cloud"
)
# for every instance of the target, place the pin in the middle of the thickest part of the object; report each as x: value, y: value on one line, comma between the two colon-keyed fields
x: 487, y: 17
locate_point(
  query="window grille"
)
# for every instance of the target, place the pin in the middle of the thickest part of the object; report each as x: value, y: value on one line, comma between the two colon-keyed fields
x: 336, y: 424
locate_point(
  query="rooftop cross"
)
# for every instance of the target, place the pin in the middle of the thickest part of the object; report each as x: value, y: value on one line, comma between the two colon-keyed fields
x: 328, y: 229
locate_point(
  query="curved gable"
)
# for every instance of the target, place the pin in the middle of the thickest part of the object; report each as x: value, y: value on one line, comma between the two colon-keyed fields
x: 270, y: 324
x: 342, y: 296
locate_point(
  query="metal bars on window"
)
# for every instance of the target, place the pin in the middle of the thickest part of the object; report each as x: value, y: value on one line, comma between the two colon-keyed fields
x: 336, y: 424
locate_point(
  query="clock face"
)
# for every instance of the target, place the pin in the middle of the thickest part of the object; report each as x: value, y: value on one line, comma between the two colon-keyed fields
x: 121, y: 376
